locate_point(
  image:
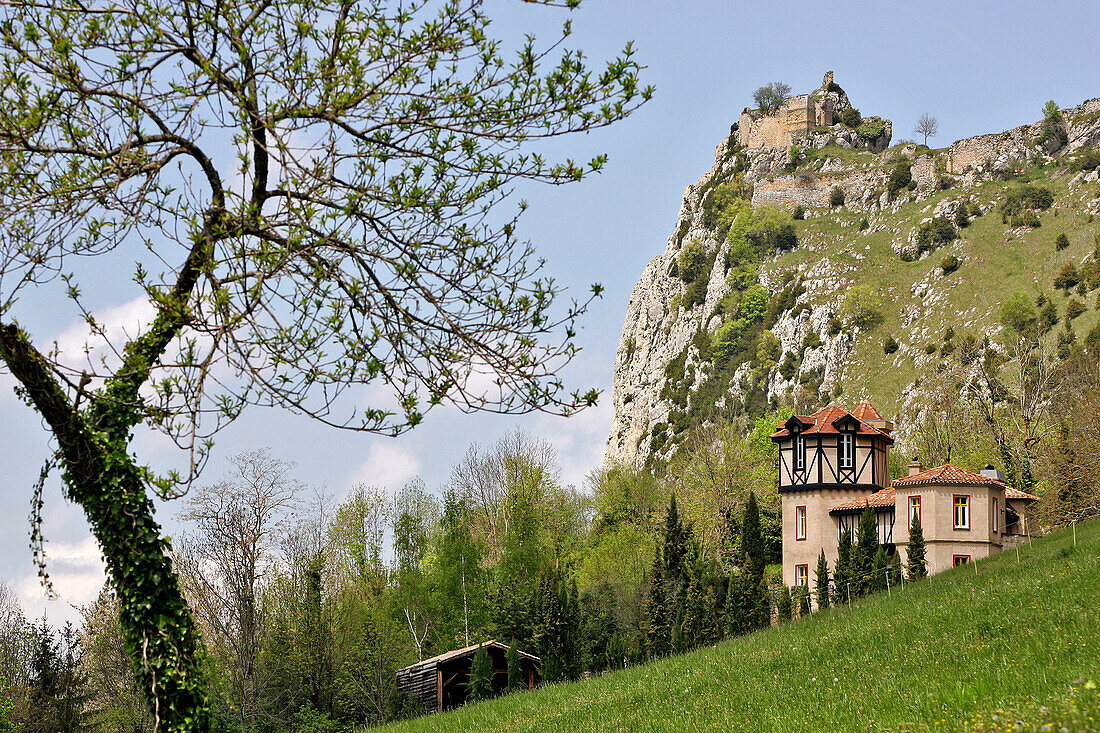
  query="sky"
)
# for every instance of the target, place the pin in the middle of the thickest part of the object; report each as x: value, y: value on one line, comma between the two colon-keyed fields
x: 977, y: 67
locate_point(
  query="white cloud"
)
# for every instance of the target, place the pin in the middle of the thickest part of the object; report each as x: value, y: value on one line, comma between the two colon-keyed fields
x: 579, y: 440
x: 118, y: 324
x: 77, y: 574
x: 388, y: 465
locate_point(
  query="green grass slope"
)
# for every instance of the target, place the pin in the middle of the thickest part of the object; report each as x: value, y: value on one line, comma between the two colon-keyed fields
x: 997, y: 260
x: 1003, y: 644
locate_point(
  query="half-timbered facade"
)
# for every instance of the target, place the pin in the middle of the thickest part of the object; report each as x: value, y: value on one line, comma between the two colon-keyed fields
x: 826, y: 459
x: 834, y: 464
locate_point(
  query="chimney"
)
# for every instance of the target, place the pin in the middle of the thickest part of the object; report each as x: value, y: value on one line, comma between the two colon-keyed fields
x: 990, y: 472
x: 915, y: 467
x: 884, y: 425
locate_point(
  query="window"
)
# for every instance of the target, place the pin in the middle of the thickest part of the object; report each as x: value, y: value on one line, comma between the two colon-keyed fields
x: 962, y: 512
x: 996, y: 516
x: 847, y: 450
x: 961, y: 560
x: 799, y: 453
x: 914, y: 510
x: 801, y: 574
x: 800, y: 523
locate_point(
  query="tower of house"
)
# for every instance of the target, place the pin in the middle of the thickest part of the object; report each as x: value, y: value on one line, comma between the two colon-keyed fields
x: 825, y: 460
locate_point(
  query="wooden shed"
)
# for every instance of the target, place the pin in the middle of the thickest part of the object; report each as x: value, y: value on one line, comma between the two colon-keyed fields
x: 440, y: 683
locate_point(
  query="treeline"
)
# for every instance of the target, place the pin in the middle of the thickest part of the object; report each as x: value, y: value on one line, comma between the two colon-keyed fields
x: 308, y: 607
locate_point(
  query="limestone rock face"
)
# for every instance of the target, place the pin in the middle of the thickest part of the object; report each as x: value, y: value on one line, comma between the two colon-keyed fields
x: 658, y: 328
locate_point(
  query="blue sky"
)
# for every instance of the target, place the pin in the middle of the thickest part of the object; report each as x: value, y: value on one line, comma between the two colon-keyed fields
x: 978, y: 67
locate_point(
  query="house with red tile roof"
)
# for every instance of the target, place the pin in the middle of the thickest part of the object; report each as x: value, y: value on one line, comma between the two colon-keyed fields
x: 835, y: 463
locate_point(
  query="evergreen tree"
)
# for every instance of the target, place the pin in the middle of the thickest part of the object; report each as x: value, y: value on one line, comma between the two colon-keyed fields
x: 57, y: 697
x: 842, y: 575
x: 571, y: 637
x: 863, y: 555
x: 480, y: 686
x: 918, y: 568
x: 783, y: 608
x: 657, y: 628
x: 550, y: 626
x: 747, y: 607
x: 515, y: 669
x: 803, y: 601
x: 675, y: 542
x: 822, y: 581
x: 880, y: 569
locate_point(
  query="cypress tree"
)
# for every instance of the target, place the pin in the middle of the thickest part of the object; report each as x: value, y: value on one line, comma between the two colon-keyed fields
x: 784, y: 606
x: 573, y: 625
x: 918, y: 568
x: 880, y: 569
x: 842, y: 575
x: 822, y: 581
x: 480, y: 686
x: 803, y: 601
x: 550, y: 626
x: 863, y: 556
x: 675, y: 542
x: 515, y: 669
x: 657, y: 640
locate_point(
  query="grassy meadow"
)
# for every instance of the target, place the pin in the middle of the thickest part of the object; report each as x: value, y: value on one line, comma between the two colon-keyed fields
x: 1011, y: 643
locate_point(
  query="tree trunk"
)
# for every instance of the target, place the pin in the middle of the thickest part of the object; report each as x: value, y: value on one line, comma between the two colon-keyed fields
x: 158, y: 630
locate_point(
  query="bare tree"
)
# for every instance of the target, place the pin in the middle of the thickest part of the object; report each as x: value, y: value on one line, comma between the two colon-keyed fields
x: 483, y: 477
x: 239, y: 524
x: 928, y: 126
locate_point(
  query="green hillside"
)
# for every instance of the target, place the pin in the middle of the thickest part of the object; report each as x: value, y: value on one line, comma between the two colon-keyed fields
x: 1007, y: 644
x: 996, y: 260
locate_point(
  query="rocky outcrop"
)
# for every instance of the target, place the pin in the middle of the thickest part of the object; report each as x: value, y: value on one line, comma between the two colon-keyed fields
x: 659, y: 328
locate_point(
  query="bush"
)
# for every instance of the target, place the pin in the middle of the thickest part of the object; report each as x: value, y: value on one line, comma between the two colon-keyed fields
x: 812, y: 341
x: 834, y: 325
x: 1061, y: 242
x: 1028, y: 197
x: 1086, y: 160
x: 862, y: 307
x: 900, y: 177
x: 1074, y: 308
x: 851, y: 118
x: 864, y: 225
x: 932, y: 234
x: 799, y: 213
x: 962, y: 215
x: 870, y: 129
x: 930, y: 349
x: 1025, y: 219
x: 1067, y: 277
x: 950, y: 263
x: 836, y: 197
x: 890, y: 345
x: 691, y: 262
x: 1018, y: 314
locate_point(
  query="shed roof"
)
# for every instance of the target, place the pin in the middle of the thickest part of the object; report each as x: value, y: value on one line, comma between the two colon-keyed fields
x: 878, y: 500
x: 456, y: 653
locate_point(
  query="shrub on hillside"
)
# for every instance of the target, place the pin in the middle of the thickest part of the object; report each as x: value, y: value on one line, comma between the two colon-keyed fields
x: 851, y: 118
x: 962, y: 215
x: 1067, y: 277
x: 862, y: 307
x: 890, y: 345
x: 871, y: 129
x: 900, y: 177
x: 836, y: 197
x: 1028, y: 197
x: 934, y: 233
x: 799, y: 213
x: 864, y: 225
x: 1061, y: 242
x: 1074, y: 308
x: 1086, y: 160
x: 950, y: 263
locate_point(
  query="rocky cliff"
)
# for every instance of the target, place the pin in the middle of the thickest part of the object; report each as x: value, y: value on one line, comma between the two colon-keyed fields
x: 862, y: 214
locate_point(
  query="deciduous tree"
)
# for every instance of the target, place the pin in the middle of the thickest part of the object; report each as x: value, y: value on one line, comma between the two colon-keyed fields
x: 358, y: 241
x: 927, y: 126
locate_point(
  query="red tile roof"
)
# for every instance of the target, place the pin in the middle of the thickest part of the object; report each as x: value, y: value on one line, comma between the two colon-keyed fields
x: 948, y: 475
x: 879, y: 499
x: 1011, y: 493
x: 866, y: 411
x: 822, y: 422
